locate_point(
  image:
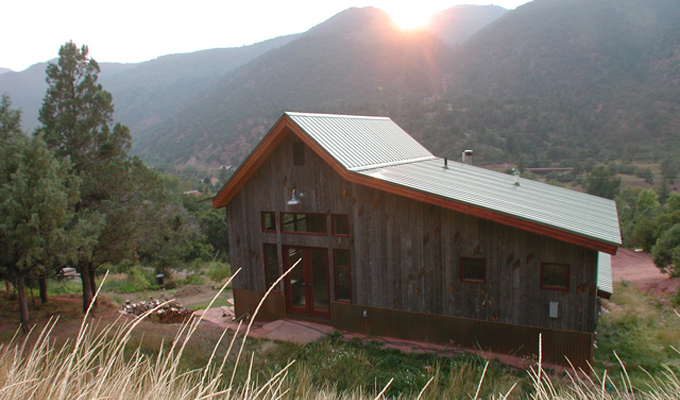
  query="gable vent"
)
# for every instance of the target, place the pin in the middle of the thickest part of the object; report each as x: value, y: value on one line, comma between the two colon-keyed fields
x: 298, y: 153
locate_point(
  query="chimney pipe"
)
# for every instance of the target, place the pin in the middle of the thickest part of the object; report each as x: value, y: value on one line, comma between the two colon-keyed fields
x: 446, y: 163
x: 467, y: 157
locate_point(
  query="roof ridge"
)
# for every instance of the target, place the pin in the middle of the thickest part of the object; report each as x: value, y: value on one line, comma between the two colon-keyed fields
x: 302, y: 114
x: 391, y: 164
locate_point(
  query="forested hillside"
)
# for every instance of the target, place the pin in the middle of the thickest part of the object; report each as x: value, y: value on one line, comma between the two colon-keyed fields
x: 552, y: 82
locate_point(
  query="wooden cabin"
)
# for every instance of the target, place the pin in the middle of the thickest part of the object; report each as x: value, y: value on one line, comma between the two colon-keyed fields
x: 377, y: 235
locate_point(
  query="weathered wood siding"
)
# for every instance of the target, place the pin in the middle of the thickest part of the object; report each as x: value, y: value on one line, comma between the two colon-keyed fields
x: 405, y: 255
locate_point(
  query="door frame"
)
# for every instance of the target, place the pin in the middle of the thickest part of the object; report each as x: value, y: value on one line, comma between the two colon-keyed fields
x: 309, y: 310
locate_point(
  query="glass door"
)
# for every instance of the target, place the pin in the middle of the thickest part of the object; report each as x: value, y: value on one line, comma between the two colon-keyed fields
x: 307, y: 288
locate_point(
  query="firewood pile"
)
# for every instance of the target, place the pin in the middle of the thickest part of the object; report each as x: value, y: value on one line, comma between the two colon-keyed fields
x: 170, y: 313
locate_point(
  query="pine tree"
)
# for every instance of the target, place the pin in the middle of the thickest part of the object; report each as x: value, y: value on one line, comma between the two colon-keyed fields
x: 120, y: 197
x: 37, y: 195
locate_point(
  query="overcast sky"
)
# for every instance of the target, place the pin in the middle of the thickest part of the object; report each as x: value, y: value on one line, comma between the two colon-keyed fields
x: 32, y: 31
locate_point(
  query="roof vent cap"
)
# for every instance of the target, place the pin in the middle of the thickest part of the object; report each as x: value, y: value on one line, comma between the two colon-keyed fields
x: 467, y: 157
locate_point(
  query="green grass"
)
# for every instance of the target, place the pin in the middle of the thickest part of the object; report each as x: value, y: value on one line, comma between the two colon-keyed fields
x: 641, y: 330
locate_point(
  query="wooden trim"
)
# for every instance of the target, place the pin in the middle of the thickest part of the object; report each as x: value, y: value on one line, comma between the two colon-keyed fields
x: 286, y: 126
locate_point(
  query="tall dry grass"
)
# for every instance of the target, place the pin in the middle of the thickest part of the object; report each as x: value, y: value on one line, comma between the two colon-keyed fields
x: 99, y: 364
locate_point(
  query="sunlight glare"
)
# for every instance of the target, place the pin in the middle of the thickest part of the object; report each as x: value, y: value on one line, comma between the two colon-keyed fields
x: 408, y: 17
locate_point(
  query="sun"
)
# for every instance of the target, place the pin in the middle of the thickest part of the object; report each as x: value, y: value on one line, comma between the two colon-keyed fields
x: 408, y: 17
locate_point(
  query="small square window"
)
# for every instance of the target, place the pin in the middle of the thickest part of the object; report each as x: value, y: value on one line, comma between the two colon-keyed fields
x: 340, y: 224
x: 473, y: 270
x: 555, y: 276
x: 269, y: 221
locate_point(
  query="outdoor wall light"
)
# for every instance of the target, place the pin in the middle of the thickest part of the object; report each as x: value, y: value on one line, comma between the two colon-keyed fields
x: 294, y: 200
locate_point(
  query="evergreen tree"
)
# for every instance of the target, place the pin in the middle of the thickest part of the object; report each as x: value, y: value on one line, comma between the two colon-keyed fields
x: 37, y: 195
x: 602, y: 182
x: 120, y: 197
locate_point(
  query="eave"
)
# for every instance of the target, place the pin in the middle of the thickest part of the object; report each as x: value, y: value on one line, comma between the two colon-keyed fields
x: 286, y: 126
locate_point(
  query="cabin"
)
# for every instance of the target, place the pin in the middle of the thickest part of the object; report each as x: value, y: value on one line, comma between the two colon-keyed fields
x: 350, y: 221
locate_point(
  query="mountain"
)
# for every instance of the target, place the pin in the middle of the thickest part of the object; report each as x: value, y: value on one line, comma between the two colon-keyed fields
x: 358, y: 61
x: 3, y: 70
x: 577, y: 79
x: 553, y: 81
x: 457, y: 24
x: 144, y: 91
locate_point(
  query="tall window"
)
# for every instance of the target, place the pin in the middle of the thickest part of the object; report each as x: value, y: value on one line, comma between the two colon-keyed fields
x: 473, y: 270
x: 269, y: 221
x: 271, y: 265
x: 343, y: 276
x: 340, y: 223
x: 304, y: 223
x: 555, y: 276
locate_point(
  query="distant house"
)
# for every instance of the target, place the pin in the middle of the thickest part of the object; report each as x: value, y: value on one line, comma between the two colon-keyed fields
x: 385, y: 238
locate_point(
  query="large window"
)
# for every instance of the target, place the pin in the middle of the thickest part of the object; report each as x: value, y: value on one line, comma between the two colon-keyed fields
x: 555, y: 276
x: 268, y: 221
x: 340, y: 223
x: 343, y: 276
x: 271, y: 264
x: 304, y: 223
x: 473, y: 270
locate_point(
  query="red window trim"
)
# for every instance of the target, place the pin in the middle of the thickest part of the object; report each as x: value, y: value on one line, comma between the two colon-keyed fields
x: 333, y: 225
x: 556, y: 288
x: 264, y: 227
x: 335, y: 276
x: 264, y: 259
x: 479, y: 282
x: 283, y: 225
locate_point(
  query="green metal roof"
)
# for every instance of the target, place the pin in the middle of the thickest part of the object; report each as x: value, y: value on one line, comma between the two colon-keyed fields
x: 567, y: 210
x: 358, y: 142
x: 379, y: 148
x: 604, y: 273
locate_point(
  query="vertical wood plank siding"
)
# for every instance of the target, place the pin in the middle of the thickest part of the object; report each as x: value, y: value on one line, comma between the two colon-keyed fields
x: 405, y: 255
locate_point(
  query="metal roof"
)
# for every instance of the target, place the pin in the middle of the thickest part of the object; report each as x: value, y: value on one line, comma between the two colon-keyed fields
x: 604, y: 273
x: 568, y: 210
x: 359, y: 142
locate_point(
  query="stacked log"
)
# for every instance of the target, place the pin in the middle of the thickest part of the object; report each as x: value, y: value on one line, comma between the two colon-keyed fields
x: 169, y: 313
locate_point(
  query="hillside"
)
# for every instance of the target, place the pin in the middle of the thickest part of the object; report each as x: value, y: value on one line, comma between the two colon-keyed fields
x: 356, y: 62
x: 552, y: 82
x: 143, y: 93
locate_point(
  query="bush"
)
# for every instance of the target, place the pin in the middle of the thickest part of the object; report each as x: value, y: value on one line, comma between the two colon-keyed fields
x: 218, y: 272
x: 192, y: 279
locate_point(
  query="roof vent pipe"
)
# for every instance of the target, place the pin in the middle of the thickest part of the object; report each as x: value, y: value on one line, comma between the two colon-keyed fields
x: 517, y: 174
x: 467, y: 157
x: 446, y: 163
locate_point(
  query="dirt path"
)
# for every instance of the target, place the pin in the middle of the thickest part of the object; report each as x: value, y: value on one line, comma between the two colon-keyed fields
x: 638, y: 268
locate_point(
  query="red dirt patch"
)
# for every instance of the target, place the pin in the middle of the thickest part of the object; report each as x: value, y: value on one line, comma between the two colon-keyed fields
x: 638, y: 268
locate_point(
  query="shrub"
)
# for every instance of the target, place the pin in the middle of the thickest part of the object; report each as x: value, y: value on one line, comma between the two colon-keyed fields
x: 218, y: 272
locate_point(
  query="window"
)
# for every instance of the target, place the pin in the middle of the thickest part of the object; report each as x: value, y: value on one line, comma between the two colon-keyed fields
x: 268, y: 221
x: 343, y: 276
x: 271, y: 265
x: 473, y: 270
x: 304, y: 223
x: 340, y: 224
x: 298, y: 153
x: 555, y: 276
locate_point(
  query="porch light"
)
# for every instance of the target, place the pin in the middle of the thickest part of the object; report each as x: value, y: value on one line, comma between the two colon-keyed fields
x: 294, y: 200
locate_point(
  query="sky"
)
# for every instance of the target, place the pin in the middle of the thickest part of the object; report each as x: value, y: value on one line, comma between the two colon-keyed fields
x: 129, y: 31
